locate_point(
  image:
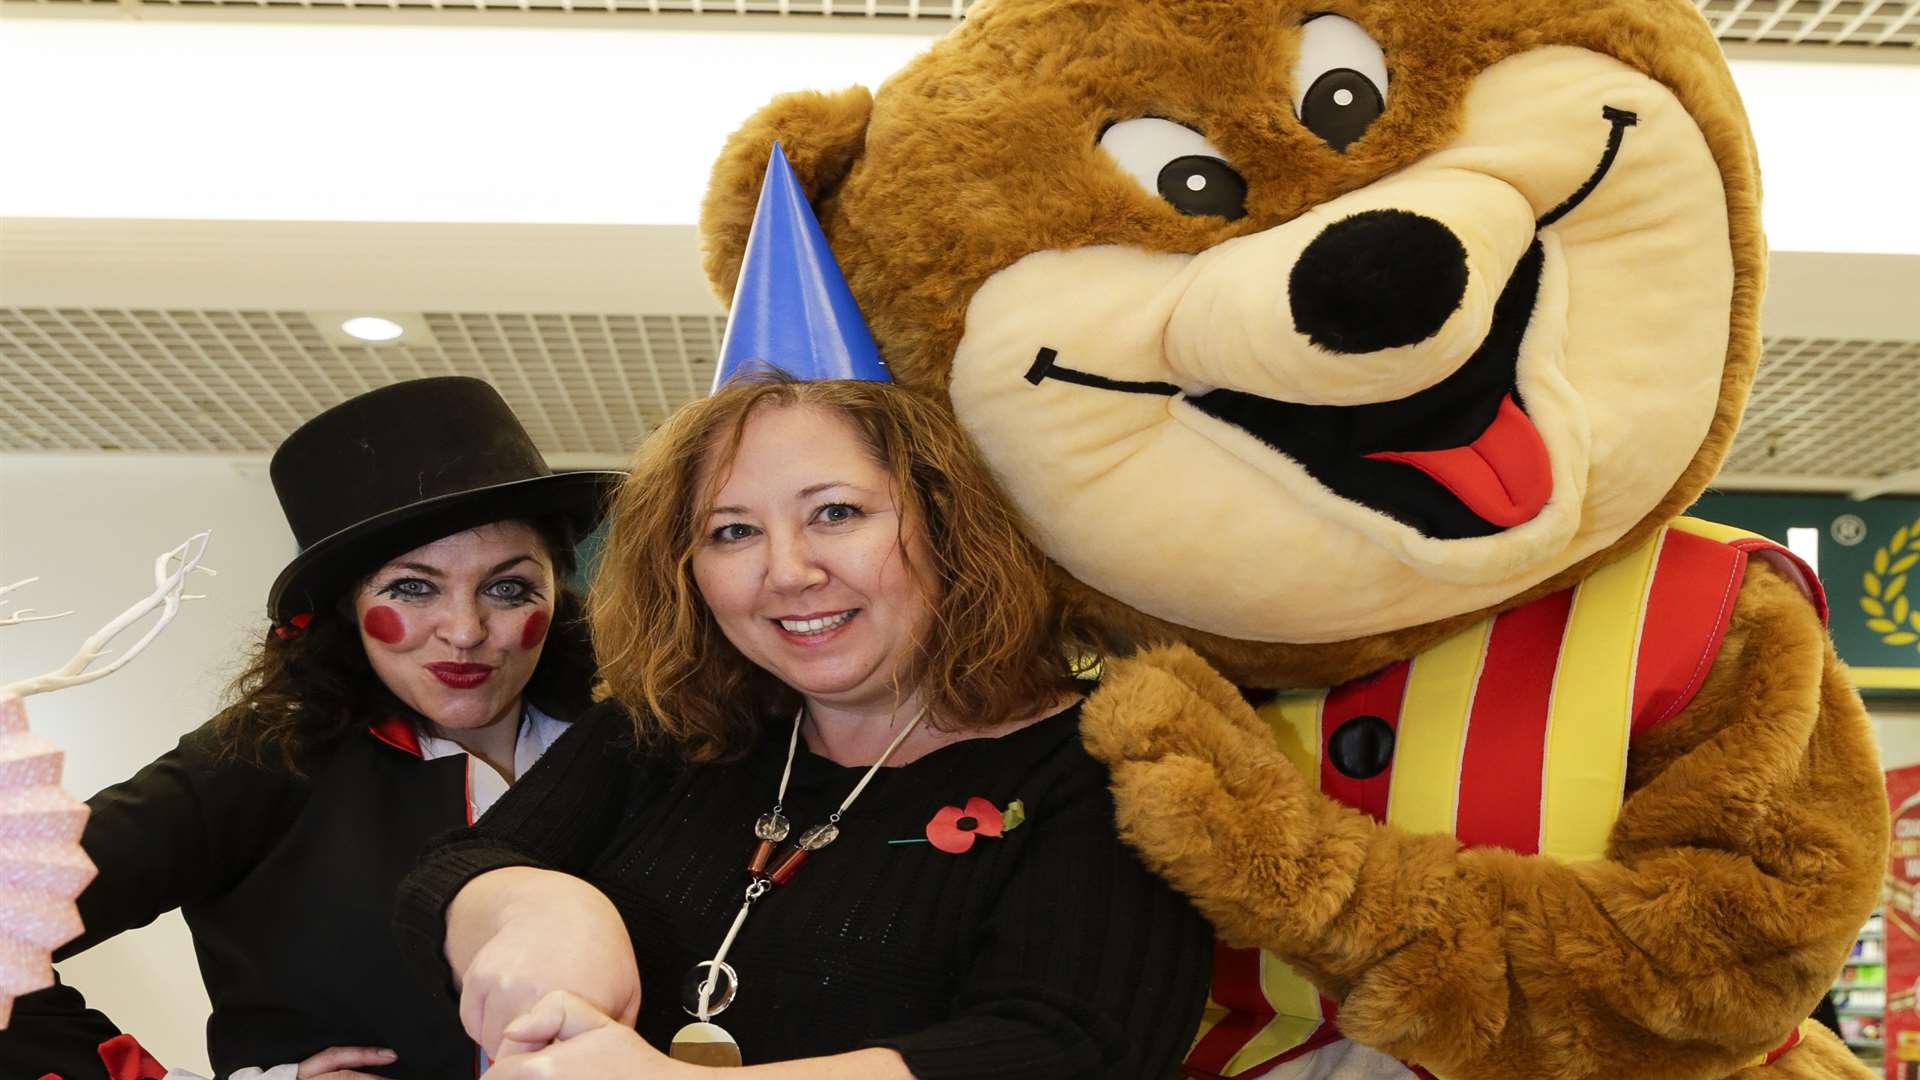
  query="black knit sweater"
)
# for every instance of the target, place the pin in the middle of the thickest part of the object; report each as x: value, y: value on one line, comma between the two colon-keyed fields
x: 1047, y: 953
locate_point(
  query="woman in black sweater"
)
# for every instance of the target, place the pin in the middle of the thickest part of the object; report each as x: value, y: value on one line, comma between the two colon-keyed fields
x: 815, y: 610
x: 424, y: 651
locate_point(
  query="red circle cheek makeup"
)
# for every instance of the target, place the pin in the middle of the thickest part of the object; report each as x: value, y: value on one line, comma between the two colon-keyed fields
x: 383, y: 624
x: 535, y: 631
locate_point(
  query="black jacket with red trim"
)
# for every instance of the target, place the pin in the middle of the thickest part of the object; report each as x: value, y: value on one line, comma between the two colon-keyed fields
x: 287, y: 884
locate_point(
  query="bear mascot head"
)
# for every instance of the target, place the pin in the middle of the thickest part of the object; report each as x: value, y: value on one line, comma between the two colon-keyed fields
x: 1371, y: 351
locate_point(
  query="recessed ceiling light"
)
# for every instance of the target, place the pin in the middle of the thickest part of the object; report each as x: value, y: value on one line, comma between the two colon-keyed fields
x: 372, y: 328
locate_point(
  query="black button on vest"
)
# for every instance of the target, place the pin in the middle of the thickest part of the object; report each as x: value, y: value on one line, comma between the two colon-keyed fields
x: 1362, y: 747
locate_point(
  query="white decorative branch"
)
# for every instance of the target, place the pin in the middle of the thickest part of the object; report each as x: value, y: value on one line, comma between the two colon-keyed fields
x: 170, y: 573
x: 24, y: 615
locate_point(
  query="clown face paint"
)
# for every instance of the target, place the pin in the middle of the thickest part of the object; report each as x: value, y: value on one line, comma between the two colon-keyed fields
x: 535, y: 630
x: 455, y: 628
x: 383, y: 624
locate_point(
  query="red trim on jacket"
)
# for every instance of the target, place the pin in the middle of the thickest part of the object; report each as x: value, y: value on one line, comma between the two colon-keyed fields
x: 126, y: 1059
x: 396, y: 732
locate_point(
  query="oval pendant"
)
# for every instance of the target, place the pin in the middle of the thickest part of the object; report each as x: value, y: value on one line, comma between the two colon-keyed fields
x: 772, y: 825
x: 701, y: 1043
x: 818, y: 836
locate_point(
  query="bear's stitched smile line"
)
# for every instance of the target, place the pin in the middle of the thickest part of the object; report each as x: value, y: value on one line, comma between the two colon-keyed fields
x: 1357, y: 450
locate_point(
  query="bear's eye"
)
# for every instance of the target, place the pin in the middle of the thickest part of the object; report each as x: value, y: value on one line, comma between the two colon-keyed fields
x: 1340, y: 80
x: 1177, y: 164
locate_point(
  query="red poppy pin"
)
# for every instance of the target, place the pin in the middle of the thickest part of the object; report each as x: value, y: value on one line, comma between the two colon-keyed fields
x: 954, y: 828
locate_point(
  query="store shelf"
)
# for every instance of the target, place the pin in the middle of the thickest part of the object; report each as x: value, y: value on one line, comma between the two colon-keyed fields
x: 1859, y: 994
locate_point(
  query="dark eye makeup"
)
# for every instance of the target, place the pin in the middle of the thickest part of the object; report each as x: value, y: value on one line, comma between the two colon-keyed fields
x: 513, y: 591
x: 407, y: 588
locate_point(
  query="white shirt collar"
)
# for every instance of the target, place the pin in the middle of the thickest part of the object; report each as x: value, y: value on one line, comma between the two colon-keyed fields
x: 485, y: 786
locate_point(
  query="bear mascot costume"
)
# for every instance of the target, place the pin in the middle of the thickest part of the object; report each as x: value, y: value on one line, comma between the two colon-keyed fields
x: 1355, y: 361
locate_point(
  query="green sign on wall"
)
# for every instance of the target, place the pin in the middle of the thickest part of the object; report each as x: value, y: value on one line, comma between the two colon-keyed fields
x: 1869, y: 561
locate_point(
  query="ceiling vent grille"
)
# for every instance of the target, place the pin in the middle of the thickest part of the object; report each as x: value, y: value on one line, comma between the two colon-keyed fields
x: 237, y: 381
x: 1824, y: 407
x: 1872, y: 23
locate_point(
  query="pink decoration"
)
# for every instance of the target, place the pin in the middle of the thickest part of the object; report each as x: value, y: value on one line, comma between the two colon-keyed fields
x: 42, y: 867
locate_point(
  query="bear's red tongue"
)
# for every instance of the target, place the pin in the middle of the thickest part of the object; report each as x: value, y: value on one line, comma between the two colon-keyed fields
x: 1503, y: 476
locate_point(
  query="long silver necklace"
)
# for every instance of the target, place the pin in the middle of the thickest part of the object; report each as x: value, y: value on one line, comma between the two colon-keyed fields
x: 711, y: 985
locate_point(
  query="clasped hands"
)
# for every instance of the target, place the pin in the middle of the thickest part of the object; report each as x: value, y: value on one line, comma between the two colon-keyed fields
x: 564, y: 1035
x: 549, y: 986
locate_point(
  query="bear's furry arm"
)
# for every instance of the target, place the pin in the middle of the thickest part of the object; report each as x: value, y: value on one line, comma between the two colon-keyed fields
x: 1747, y: 855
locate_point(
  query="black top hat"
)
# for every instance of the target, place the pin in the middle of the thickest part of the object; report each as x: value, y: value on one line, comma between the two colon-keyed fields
x: 404, y: 465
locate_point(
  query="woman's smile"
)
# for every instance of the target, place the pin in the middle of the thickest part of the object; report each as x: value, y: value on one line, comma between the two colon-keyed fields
x: 815, y: 630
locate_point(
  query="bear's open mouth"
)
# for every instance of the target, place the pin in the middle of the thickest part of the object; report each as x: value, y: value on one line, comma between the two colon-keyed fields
x: 1459, y: 459
x: 1477, y: 464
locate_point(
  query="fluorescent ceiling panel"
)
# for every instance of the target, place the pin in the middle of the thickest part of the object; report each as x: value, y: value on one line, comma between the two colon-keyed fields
x: 1839, y: 157
x: 365, y: 123
x: 498, y: 124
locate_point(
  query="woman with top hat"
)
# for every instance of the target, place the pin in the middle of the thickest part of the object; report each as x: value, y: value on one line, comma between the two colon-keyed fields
x: 424, y: 652
x: 837, y: 820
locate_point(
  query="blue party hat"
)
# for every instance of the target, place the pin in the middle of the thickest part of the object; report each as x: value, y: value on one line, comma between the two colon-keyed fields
x: 792, y: 310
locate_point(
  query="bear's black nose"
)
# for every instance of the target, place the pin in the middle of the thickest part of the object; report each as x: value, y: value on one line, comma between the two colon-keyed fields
x: 1377, y: 280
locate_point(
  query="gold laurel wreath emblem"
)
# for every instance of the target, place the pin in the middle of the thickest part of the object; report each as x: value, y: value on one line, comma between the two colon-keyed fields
x: 1884, y: 597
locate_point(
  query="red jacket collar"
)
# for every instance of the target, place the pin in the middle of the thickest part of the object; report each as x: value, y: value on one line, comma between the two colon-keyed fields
x: 396, y: 732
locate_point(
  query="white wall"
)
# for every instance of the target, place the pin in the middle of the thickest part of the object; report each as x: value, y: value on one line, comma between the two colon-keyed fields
x: 1898, y: 724
x: 90, y: 528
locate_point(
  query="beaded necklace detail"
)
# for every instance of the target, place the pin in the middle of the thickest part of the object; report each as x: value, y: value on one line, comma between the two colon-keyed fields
x: 710, y: 986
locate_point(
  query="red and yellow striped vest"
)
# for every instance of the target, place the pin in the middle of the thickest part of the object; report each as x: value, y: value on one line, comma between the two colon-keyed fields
x: 1512, y: 733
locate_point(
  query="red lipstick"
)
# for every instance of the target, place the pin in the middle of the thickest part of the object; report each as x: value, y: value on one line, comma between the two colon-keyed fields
x: 461, y: 676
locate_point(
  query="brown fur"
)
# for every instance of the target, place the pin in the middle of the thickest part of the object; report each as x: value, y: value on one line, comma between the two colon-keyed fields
x: 983, y: 150
x: 1751, y: 844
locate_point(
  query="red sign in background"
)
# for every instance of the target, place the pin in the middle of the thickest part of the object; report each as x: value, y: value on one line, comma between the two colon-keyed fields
x: 1901, y: 973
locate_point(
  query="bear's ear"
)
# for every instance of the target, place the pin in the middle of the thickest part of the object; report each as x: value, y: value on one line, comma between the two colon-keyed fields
x: 822, y: 135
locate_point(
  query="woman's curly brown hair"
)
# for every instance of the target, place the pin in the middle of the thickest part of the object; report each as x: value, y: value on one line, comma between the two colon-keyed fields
x: 995, y: 647
x: 298, y: 693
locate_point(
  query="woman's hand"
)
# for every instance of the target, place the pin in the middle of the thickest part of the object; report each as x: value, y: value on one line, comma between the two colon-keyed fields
x: 343, y: 1063
x: 566, y: 1036
x: 515, y: 936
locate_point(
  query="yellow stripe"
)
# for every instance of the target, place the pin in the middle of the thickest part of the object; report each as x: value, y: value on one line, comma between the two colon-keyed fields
x: 1295, y: 720
x: 1885, y: 678
x: 1713, y: 530
x: 1433, y: 729
x: 1209, y: 1018
x: 1281, y: 1034
x: 1298, y: 1005
x: 1591, y: 712
x: 1287, y: 992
